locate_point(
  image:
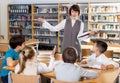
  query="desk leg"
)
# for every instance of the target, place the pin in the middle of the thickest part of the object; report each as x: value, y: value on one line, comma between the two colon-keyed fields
x: 45, y: 79
x: 117, y: 80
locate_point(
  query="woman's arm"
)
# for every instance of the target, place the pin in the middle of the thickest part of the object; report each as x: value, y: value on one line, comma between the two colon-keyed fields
x: 47, y: 25
x: 81, y: 32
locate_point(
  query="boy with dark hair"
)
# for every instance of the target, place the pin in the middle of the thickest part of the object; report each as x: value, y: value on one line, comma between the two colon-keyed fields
x: 11, y: 57
x: 68, y: 71
x: 98, y: 59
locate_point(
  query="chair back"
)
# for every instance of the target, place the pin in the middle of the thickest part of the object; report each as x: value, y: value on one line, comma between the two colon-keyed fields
x: 4, y: 48
x: 86, y: 53
x: 59, y: 81
x: 1, y: 37
x: 109, y: 53
x: 18, y: 78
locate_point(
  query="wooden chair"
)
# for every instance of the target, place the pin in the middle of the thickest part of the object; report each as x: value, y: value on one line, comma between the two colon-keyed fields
x: 109, y: 53
x: 86, y: 53
x: 1, y: 37
x: 18, y: 78
x: 59, y: 81
x: 3, y: 48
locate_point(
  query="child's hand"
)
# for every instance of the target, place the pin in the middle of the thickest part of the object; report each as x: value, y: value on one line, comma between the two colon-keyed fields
x: 103, y: 67
x: 111, y: 66
x: 83, y: 62
x: 53, y: 51
x: 41, y: 19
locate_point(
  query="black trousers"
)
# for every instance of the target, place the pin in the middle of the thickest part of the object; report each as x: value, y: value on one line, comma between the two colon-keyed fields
x: 4, y: 79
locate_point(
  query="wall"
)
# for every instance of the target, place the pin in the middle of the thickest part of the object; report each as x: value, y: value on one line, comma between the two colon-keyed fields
x: 4, y: 3
x: 3, y: 17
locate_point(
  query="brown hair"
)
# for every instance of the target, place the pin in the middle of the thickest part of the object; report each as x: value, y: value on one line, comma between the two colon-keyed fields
x: 26, y: 54
x: 70, y: 55
x: 101, y: 45
x: 75, y: 8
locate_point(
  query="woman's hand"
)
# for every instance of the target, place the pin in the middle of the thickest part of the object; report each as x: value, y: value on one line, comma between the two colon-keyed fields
x: 93, y: 33
x: 41, y: 19
x: 53, y: 52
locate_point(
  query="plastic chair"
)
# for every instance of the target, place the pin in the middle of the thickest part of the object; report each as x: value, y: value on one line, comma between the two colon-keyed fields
x: 18, y: 78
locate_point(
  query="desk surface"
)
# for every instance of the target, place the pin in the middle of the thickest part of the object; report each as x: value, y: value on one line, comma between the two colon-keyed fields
x: 4, y: 41
x: 105, y: 76
x: 26, y: 43
x: 116, y: 50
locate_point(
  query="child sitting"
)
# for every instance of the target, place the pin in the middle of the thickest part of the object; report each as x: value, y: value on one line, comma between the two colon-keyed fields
x: 98, y: 59
x: 11, y: 57
x: 28, y: 64
x: 68, y: 71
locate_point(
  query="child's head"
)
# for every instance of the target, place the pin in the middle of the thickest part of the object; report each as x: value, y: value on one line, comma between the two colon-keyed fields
x: 100, y: 46
x: 70, y: 55
x: 28, y: 53
x: 17, y: 41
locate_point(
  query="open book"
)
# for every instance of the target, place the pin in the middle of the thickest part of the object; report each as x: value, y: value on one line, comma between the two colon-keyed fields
x: 84, y: 34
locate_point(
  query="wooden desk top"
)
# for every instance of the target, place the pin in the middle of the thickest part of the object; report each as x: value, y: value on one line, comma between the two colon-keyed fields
x: 9, y: 68
x: 116, y: 50
x: 32, y: 42
x: 105, y: 76
x: 4, y: 41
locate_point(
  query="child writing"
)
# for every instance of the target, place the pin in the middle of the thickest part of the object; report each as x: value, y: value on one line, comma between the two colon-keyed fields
x: 28, y: 64
x: 11, y: 57
x: 68, y: 71
x: 98, y: 59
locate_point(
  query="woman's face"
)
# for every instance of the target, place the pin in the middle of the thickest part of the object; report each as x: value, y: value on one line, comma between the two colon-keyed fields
x: 74, y: 14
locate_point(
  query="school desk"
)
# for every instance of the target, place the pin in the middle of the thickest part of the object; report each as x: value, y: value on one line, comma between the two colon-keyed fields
x: 105, y: 76
x: 116, y: 50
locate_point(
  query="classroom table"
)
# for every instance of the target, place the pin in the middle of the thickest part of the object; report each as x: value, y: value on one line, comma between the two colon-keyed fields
x: 4, y: 41
x: 105, y: 76
x: 116, y: 50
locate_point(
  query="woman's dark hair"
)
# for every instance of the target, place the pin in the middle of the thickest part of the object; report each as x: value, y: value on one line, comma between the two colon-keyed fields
x: 26, y: 54
x: 101, y: 45
x: 75, y: 8
x: 70, y: 55
x: 16, y: 40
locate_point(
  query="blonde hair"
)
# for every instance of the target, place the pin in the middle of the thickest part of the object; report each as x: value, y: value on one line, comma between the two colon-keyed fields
x: 27, y: 53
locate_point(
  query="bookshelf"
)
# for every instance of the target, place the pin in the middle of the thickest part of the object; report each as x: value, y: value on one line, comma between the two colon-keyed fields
x: 50, y: 13
x: 19, y: 20
x: 105, y: 18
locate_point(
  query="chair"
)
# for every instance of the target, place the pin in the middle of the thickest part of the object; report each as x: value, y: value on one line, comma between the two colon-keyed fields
x: 18, y: 78
x: 86, y: 53
x: 59, y: 81
x: 3, y: 48
x: 109, y: 53
x: 1, y: 37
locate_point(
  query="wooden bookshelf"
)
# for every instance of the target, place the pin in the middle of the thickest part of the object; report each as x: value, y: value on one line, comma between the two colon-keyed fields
x: 104, y: 18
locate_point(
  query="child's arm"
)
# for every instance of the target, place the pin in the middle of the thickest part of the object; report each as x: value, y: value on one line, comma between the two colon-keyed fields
x: 83, y: 62
x: 11, y: 62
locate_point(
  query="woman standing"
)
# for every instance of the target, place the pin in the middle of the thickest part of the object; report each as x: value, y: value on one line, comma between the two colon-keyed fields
x: 73, y: 28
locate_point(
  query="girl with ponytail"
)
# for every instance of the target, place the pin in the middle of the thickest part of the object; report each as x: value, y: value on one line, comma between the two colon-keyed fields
x: 28, y: 64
